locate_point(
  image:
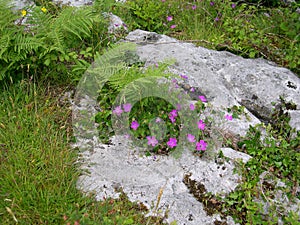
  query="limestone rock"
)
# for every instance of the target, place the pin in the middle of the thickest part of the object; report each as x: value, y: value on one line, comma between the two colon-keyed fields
x: 225, y: 79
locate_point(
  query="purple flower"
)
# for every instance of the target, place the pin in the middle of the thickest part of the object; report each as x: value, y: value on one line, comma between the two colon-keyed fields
x: 191, y: 138
x: 173, y: 113
x: 152, y: 141
x: 184, y: 76
x: 192, y: 89
x: 172, y: 119
x: 192, y: 107
x: 178, y: 107
x: 217, y: 19
x: 163, y: 0
x: 174, y: 80
x: 201, y: 145
x: 233, y: 5
x: 172, y: 142
x: 228, y: 117
x: 116, y: 25
x: 170, y: 18
x: 201, y: 125
x: 158, y: 120
x: 202, y: 98
x: 127, y: 107
x: 194, y: 7
x: 118, y: 111
x: 212, y: 3
x: 173, y: 26
x: 134, y: 125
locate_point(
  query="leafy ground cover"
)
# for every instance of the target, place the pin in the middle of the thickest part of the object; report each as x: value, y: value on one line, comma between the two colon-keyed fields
x: 38, y: 169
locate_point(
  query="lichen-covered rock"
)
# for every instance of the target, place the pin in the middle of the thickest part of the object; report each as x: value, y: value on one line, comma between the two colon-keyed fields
x: 225, y: 79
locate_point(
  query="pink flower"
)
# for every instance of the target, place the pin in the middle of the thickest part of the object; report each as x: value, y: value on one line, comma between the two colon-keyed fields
x: 201, y: 145
x: 172, y: 142
x: 201, y: 125
x: 152, y: 140
x: 173, y: 26
x: 158, y: 120
x: 233, y: 5
x: 118, y: 111
x: 194, y: 7
x: 192, y: 89
x: 172, y: 119
x: 202, y: 98
x: 173, y: 113
x: 184, y: 76
x: 217, y: 19
x: 178, y: 107
x: 191, y: 138
x: 127, y: 107
x: 228, y: 117
x: 134, y: 125
x: 212, y: 3
x: 169, y: 18
x: 192, y: 107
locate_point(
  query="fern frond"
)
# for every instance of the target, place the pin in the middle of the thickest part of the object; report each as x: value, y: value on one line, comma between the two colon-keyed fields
x: 7, y: 16
x: 4, y: 43
x: 26, y: 43
x: 73, y: 21
x: 39, y: 21
x: 103, y: 68
x: 120, y: 80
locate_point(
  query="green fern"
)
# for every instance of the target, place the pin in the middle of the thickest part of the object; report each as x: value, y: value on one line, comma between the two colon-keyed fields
x: 103, y: 68
x: 7, y: 17
x: 26, y: 43
x: 43, y: 44
x: 120, y: 80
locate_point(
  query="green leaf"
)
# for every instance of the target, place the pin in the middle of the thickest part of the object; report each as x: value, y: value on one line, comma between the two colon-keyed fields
x: 252, y: 54
x: 47, y: 62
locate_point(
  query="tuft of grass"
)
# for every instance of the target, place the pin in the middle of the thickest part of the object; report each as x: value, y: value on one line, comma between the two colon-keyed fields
x: 38, y: 169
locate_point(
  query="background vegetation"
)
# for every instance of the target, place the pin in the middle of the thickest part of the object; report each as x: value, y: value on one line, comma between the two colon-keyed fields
x: 44, y: 50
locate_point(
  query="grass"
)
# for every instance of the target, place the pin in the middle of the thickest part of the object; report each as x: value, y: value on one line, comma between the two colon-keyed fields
x: 39, y: 170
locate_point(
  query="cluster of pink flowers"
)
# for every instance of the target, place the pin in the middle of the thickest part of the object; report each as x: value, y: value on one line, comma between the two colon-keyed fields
x: 118, y: 110
x: 172, y: 142
x: 169, y: 19
x: 172, y: 115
